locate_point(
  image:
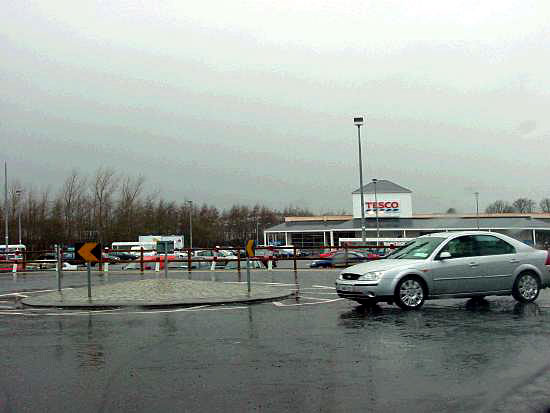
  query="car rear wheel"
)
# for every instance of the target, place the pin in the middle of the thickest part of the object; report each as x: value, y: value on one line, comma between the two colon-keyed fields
x: 526, y: 287
x: 410, y: 293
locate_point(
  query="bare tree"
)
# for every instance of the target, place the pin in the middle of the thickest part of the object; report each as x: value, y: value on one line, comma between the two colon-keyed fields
x: 130, y: 192
x: 499, y: 207
x: 524, y: 205
x: 73, y: 194
x: 545, y: 205
x: 104, y: 186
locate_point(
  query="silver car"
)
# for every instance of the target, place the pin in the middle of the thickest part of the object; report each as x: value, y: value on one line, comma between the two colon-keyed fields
x: 449, y: 264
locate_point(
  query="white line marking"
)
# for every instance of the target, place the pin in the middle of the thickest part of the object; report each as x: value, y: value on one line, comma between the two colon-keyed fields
x: 264, y: 283
x: 279, y: 304
x: 313, y: 298
x: 31, y: 292
x: 323, y: 286
x: 121, y: 312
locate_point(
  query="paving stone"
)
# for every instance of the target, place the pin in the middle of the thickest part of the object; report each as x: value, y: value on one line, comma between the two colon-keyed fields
x: 159, y: 292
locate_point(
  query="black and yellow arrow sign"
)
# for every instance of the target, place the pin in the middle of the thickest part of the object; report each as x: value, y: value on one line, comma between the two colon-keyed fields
x: 88, y: 251
x: 250, y: 248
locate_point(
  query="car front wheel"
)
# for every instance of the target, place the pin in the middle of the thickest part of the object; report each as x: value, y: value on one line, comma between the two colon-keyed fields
x: 410, y: 293
x: 526, y: 287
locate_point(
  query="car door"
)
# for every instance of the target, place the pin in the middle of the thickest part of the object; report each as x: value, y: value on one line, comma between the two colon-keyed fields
x: 498, y: 259
x: 461, y: 273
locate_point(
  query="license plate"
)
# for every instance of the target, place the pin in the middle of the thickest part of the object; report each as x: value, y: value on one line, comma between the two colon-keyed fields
x: 346, y: 288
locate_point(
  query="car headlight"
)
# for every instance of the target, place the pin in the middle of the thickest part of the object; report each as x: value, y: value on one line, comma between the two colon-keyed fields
x: 371, y: 276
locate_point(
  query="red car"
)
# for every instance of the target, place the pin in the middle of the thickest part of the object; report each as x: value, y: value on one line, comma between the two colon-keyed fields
x: 328, y: 254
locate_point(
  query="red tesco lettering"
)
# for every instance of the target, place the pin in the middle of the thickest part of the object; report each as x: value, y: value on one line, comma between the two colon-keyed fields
x: 383, y: 204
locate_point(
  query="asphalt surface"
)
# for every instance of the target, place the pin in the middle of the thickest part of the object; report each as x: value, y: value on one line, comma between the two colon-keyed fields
x: 313, y: 352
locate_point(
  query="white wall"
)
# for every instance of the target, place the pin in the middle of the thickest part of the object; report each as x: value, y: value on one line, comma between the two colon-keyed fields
x: 404, y: 205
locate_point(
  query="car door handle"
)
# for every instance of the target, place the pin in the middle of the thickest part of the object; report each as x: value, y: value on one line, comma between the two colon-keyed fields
x: 474, y: 264
x: 514, y: 261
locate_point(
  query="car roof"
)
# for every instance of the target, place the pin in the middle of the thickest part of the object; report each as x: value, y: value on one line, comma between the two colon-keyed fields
x: 454, y: 234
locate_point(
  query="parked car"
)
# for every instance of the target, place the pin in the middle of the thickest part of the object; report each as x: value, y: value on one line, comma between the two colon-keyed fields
x: 203, y: 254
x: 110, y: 258
x: 136, y: 266
x: 124, y: 256
x: 446, y: 265
x: 370, y: 256
x: 285, y: 251
x: 327, y: 253
x: 339, y: 259
x: 264, y: 254
x: 233, y: 265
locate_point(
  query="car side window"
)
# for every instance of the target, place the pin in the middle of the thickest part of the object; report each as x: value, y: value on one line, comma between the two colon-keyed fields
x: 490, y: 245
x: 461, y: 247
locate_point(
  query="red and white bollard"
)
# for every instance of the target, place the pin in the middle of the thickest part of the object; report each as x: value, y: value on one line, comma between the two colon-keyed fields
x: 214, y: 259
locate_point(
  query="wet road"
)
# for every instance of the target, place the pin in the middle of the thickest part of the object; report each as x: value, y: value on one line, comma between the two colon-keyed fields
x: 311, y: 353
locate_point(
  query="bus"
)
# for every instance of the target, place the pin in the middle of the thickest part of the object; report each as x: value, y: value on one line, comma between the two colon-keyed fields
x: 133, y: 246
x: 15, y: 251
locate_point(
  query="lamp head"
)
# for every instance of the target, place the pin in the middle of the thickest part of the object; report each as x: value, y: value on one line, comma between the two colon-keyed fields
x: 359, y: 120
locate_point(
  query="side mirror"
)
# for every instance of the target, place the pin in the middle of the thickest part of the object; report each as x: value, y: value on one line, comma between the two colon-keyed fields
x: 445, y: 255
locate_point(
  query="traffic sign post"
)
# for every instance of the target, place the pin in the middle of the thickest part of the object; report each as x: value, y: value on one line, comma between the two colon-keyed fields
x: 88, y: 252
x: 89, y: 270
x: 59, y: 265
x: 165, y: 247
x: 249, y: 254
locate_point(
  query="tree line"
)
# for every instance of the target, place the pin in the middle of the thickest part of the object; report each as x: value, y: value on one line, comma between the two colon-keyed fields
x: 521, y: 205
x: 108, y: 206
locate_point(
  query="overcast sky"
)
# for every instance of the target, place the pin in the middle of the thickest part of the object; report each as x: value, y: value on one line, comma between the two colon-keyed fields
x: 252, y: 101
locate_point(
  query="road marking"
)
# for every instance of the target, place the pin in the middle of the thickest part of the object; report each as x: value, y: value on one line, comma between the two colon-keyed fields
x: 303, y: 297
x: 31, y: 292
x: 279, y: 304
x: 264, y: 283
x: 323, y: 286
x: 121, y: 311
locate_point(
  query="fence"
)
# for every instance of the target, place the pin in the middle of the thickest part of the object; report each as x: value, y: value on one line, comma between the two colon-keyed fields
x: 28, y: 261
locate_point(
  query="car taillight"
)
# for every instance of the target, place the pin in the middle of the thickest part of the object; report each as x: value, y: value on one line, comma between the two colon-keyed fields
x: 547, y: 258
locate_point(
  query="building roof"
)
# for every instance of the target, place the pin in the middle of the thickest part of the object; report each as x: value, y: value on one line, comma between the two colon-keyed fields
x: 451, y: 222
x: 383, y: 186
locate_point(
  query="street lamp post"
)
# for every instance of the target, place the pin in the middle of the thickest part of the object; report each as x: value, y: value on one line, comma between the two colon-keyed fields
x: 18, y: 193
x: 6, y: 206
x: 477, y: 208
x: 358, y: 121
x: 190, y: 224
x: 374, y: 181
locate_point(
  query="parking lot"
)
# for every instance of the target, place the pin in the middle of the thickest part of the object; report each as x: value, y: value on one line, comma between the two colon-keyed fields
x: 312, y: 352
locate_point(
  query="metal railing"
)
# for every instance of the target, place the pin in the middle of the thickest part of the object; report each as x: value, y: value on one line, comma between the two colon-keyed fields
x: 268, y: 256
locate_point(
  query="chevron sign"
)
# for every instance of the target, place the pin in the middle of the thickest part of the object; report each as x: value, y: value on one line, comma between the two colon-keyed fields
x: 87, y: 251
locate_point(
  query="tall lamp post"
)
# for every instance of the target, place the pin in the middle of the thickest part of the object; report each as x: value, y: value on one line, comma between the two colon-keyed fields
x: 18, y: 193
x: 358, y: 121
x: 6, y: 206
x: 374, y: 181
x: 477, y: 208
x: 190, y: 224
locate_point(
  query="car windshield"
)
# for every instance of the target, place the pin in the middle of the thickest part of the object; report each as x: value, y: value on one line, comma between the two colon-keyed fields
x: 418, y: 249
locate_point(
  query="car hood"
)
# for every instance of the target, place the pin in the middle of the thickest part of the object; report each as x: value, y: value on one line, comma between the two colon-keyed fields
x: 381, y: 265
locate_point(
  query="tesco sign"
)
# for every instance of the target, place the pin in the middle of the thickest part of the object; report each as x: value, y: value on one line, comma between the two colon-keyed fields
x: 386, y: 206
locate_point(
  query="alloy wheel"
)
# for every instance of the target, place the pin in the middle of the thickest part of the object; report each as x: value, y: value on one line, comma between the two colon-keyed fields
x: 411, y: 293
x: 528, y: 287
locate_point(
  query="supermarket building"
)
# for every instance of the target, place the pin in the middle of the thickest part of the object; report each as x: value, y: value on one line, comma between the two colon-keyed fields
x: 397, y: 223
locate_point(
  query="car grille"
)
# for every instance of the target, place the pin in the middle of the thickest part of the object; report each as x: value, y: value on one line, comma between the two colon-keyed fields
x: 350, y: 276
